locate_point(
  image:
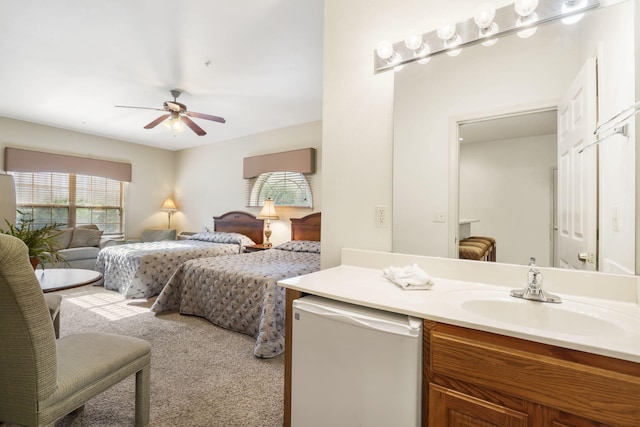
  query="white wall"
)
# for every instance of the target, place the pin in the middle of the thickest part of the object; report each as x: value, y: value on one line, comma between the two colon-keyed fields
x: 507, y: 185
x: 358, y: 114
x: 209, y: 178
x: 152, y: 168
x: 617, y: 155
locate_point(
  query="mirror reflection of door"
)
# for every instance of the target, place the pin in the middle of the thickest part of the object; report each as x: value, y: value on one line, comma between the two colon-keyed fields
x: 506, y: 180
x: 577, y: 173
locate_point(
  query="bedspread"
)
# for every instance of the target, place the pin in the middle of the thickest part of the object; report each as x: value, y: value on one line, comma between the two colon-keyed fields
x: 140, y: 270
x: 239, y: 293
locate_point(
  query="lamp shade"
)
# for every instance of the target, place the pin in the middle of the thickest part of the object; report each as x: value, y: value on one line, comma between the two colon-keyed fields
x: 169, y: 205
x: 268, y: 210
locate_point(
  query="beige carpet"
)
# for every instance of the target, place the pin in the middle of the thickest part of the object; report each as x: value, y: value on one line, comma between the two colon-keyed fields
x: 201, y: 375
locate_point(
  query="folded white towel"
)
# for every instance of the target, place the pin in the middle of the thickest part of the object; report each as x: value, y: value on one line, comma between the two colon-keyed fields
x: 409, y: 277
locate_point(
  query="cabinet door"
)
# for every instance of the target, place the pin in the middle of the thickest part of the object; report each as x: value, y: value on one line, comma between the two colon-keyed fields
x: 556, y: 418
x: 449, y: 408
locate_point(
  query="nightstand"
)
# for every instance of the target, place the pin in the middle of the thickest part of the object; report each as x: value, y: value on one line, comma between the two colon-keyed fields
x: 255, y: 248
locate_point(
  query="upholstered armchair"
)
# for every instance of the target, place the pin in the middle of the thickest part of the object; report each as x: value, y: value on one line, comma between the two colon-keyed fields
x: 43, y: 379
x: 154, y: 236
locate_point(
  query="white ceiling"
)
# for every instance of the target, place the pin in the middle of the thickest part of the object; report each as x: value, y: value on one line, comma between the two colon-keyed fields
x: 67, y: 63
x: 510, y: 127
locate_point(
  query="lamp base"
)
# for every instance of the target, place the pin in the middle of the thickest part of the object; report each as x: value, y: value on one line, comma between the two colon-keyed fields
x: 267, y: 234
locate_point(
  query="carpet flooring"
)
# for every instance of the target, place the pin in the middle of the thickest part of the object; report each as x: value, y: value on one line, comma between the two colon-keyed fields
x: 201, y: 375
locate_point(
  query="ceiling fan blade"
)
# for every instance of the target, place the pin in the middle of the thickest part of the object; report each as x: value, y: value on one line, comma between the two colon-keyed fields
x: 157, y: 121
x: 194, y: 127
x: 205, y: 116
x: 140, y: 108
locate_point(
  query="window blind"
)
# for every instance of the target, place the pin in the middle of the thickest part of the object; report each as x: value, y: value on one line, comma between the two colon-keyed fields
x: 284, y: 188
x: 70, y: 199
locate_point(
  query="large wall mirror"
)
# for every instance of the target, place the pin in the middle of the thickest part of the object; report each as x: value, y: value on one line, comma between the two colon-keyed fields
x: 487, y: 143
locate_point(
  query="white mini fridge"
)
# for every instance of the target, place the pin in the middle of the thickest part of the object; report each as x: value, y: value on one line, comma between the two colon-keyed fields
x: 354, y: 366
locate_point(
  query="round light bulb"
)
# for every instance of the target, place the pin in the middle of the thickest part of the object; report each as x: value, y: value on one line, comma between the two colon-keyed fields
x: 423, y: 52
x: 487, y: 35
x: 569, y: 6
x: 525, y: 22
x: 447, y: 31
x: 525, y: 7
x: 413, y: 41
x: 570, y: 20
x: 484, y: 15
x: 451, y: 44
x: 385, y: 49
x: 489, y: 42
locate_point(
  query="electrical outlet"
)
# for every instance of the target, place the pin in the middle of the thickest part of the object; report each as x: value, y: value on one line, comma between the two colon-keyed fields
x: 382, y: 216
x: 438, y: 216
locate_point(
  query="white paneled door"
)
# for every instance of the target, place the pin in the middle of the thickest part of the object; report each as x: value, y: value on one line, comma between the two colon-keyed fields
x: 577, y: 173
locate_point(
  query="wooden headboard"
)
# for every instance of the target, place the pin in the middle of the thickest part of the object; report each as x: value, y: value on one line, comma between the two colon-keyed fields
x: 306, y: 228
x: 240, y: 222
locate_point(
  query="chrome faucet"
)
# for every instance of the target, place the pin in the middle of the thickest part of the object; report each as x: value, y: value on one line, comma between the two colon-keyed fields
x: 534, y: 290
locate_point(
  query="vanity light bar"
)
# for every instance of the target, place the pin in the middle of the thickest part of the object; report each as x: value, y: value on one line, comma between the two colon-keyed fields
x: 469, y: 33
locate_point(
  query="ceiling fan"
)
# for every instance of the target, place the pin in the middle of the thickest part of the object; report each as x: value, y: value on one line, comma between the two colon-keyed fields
x: 177, y: 115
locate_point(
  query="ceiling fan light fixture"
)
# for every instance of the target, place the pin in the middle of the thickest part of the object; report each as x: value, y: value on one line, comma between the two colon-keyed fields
x: 174, y: 123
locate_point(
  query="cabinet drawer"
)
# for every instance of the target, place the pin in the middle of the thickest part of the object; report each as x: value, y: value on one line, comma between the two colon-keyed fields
x: 538, y: 376
x: 451, y: 409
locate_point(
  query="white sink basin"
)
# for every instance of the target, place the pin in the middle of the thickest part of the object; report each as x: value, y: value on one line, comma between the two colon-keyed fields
x: 568, y: 317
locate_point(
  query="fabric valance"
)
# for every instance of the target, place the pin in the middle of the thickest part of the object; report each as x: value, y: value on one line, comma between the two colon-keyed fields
x: 302, y: 161
x: 18, y: 160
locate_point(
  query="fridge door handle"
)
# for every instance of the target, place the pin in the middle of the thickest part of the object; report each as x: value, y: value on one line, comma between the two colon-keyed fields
x: 412, y: 328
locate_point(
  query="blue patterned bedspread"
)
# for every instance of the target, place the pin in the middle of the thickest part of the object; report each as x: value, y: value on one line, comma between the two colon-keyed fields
x: 140, y: 270
x: 240, y: 292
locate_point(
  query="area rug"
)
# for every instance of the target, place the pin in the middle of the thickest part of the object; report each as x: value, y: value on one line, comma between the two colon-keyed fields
x: 201, y: 375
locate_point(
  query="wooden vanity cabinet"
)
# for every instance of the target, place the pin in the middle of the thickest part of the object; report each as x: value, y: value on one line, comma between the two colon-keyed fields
x: 478, y: 379
x: 474, y: 378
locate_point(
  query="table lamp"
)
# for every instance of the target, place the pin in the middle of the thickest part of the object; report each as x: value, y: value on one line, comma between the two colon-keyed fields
x: 169, y: 206
x: 268, y: 212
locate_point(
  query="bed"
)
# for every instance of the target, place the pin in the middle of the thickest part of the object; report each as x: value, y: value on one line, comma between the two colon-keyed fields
x: 140, y: 270
x: 240, y: 293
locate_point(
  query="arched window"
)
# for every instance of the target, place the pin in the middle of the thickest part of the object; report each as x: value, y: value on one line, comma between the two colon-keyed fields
x: 284, y: 188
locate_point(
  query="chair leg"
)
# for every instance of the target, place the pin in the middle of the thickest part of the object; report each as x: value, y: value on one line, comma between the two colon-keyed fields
x: 143, y: 396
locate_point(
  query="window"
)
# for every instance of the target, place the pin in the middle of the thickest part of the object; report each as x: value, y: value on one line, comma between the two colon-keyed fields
x: 71, y: 199
x: 285, y: 188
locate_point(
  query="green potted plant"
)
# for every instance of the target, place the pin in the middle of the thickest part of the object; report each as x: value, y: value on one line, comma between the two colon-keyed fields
x: 43, y: 247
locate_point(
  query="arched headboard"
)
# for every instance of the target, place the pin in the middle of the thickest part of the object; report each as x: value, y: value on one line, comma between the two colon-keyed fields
x: 240, y: 222
x: 306, y: 228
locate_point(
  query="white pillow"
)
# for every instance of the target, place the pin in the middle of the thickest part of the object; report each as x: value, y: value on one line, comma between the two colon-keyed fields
x: 222, y: 237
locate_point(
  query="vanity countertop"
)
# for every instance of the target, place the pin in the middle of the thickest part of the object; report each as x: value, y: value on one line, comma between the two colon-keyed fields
x: 366, y: 286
